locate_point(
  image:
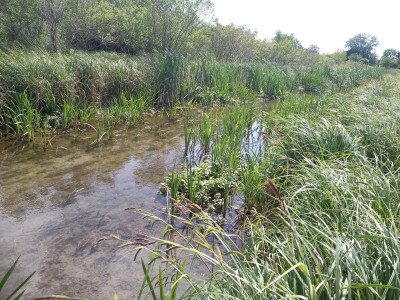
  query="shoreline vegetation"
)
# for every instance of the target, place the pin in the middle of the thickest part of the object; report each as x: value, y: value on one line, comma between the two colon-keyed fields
x: 316, y: 173
x: 41, y: 91
x: 320, y: 191
x: 303, y: 169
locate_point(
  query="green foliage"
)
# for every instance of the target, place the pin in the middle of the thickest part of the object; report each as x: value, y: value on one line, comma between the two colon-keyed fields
x: 357, y: 58
x: 281, y: 37
x: 338, y: 56
x: 233, y: 43
x: 122, y: 26
x: 66, y: 85
x: 157, y: 285
x: 190, y: 138
x: 322, y: 140
x: 206, y: 131
x: 361, y: 47
x: 285, y: 49
x: 21, y: 117
x: 20, y: 23
x: 327, y: 196
x: 68, y: 89
x: 130, y: 110
x: 254, y: 187
x: 221, y: 142
x: 170, y: 79
x: 207, y: 185
x: 171, y: 22
x: 390, y: 59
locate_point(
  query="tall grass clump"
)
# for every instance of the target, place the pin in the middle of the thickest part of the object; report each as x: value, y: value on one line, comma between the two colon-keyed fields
x: 131, y: 109
x: 320, y: 140
x: 61, y: 86
x: 189, y: 138
x: 206, y: 131
x: 170, y: 79
x: 304, y: 255
x: 20, y: 117
x: 213, y: 158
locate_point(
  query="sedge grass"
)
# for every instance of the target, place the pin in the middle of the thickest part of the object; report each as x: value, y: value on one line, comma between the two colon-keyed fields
x: 326, y: 205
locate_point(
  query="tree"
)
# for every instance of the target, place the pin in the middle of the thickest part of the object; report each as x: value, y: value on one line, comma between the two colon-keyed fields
x: 313, y: 49
x: 390, y: 58
x: 362, y: 46
x: 78, y: 27
x: 52, y: 12
x: 119, y: 26
x: 281, y: 37
x: 391, y: 53
x: 233, y: 43
x: 170, y: 23
x: 19, y: 23
x: 286, y: 49
x: 339, y: 56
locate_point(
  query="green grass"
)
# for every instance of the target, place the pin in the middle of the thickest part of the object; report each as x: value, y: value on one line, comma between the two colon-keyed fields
x: 69, y: 89
x: 206, y: 131
x: 322, y: 204
x: 318, y: 174
x: 17, y: 292
x: 21, y: 117
x: 190, y: 138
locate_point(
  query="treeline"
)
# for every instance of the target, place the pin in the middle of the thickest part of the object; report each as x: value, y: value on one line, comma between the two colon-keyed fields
x: 154, y: 53
x: 361, y: 48
x: 111, y: 25
x: 157, y: 26
x: 136, y: 27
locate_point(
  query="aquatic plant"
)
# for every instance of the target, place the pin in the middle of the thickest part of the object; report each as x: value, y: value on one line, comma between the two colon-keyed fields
x: 205, y: 132
x: 189, y: 139
x: 21, y: 117
x: 18, y: 292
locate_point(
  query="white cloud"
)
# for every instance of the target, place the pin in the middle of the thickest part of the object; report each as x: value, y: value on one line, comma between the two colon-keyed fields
x: 325, y: 23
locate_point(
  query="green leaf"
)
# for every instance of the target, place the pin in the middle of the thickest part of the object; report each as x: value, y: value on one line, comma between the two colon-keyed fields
x: 8, y: 274
x: 20, y: 286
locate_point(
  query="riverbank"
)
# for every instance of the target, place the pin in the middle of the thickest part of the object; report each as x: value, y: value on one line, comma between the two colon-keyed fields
x: 40, y: 91
x: 322, y: 205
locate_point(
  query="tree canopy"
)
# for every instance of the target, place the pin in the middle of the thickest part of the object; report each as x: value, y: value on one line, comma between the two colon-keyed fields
x: 361, y: 47
x: 390, y: 58
x: 123, y: 25
x: 148, y: 26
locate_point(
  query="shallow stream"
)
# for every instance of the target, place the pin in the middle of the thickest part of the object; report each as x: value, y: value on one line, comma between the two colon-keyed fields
x: 55, y: 205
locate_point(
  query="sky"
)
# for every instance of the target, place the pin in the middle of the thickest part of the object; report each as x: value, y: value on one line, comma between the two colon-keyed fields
x: 326, y: 23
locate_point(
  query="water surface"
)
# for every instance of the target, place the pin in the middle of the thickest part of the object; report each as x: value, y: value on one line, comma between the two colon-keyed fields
x: 56, y: 204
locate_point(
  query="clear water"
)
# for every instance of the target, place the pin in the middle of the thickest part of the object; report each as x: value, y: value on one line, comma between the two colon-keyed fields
x: 56, y: 204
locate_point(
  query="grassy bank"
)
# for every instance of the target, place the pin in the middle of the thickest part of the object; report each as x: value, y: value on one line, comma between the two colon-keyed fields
x: 41, y: 90
x: 320, y: 185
